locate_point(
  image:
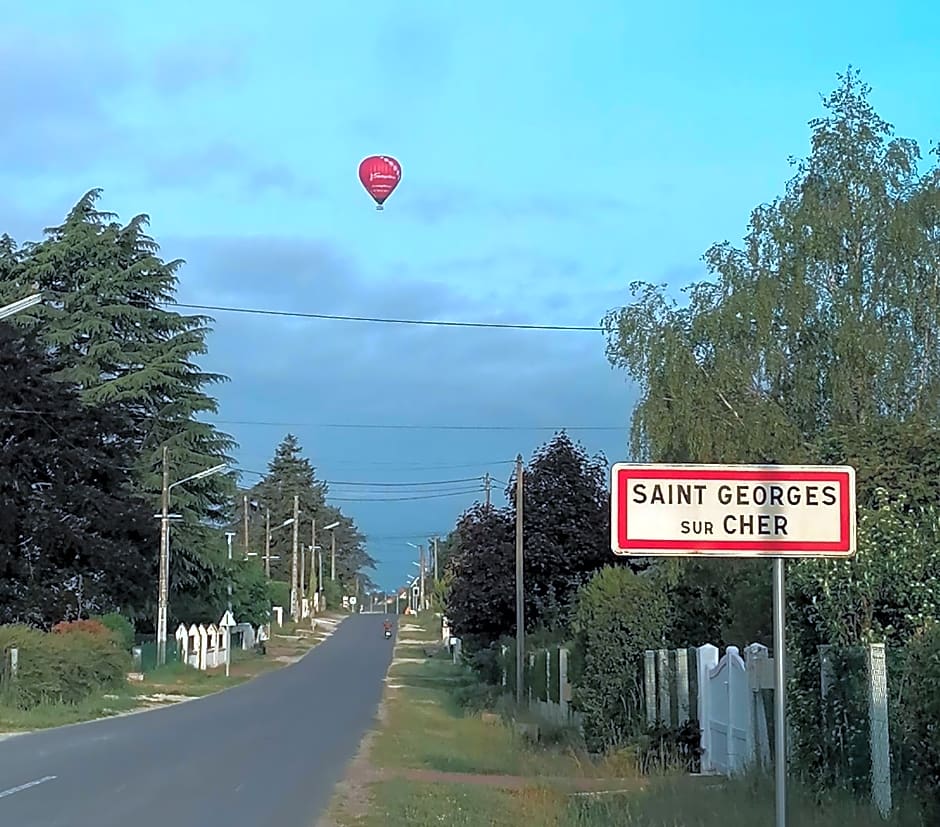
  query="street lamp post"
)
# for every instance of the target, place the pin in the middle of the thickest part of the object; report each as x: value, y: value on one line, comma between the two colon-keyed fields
x: 332, y: 529
x: 23, y: 304
x: 164, y: 572
x: 229, y: 535
x: 267, y: 541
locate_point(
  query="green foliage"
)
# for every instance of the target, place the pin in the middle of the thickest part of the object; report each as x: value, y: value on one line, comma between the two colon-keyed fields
x: 818, y: 321
x: 920, y: 713
x: 104, y: 325
x: 63, y: 668
x: 251, y: 600
x: 333, y: 594
x: 121, y: 627
x: 887, y: 593
x: 289, y: 474
x: 619, y: 615
x: 279, y: 594
x: 663, y: 749
x: 565, y: 530
x: 74, y: 538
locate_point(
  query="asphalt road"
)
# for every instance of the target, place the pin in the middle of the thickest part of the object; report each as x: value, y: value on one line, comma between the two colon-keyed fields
x: 267, y: 753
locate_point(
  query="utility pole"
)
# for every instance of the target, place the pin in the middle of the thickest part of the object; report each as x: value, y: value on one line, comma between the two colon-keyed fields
x: 293, y: 560
x: 320, y: 584
x: 435, y: 559
x: 421, y: 565
x: 164, y: 569
x: 313, y: 551
x: 301, y: 594
x: 520, y: 592
x: 486, y: 487
x: 333, y: 556
x: 229, y: 536
x: 267, y: 543
x: 245, y: 523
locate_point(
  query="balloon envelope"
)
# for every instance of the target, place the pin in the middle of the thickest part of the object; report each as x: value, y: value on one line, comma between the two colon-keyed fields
x: 380, y: 175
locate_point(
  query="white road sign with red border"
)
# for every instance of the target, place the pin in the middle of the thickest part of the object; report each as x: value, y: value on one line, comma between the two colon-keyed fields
x: 733, y: 510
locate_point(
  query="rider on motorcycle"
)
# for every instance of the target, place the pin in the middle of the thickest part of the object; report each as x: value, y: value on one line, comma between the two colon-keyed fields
x: 388, y: 626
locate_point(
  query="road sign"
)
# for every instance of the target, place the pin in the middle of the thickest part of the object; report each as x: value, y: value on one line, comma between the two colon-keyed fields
x: 227, y: 620
x: 733, y: 510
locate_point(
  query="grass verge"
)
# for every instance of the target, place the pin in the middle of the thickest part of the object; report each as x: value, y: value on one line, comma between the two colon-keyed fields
x: 409, y: 774
x: 170, y: 684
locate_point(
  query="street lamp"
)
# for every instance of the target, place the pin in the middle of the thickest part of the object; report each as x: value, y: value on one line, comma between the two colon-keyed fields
x: 23, y: 304
x: 164, y: 574
x: 331, y: 528
x: 229, y: 536
x: 421, y: 565
x: 267, y: 541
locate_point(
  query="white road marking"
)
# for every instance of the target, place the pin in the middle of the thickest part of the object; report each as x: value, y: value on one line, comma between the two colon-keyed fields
x: 27, y: 785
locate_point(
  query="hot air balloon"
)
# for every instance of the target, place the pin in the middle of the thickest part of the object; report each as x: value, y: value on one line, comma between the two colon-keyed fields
x: 380, y: 175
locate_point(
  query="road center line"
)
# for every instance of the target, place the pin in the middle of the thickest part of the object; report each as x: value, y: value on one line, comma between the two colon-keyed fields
x: 27, y: 785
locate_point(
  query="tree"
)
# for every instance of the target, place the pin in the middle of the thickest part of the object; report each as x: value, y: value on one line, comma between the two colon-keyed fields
x: 826, y: 317
x: 75, y: 539
x: 481, y: 603
x: 814, y: 341
x: 104, y: 325
x: 566, y: 526
x: 290, y: 473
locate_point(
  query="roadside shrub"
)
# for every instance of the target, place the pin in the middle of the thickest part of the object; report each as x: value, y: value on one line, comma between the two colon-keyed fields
x: 279, y: 594
x: 121, y: 628
x: 477, y: 697
x: 618, y: 615
x: 65, y: 666
x: 920, y: 717
x: 662, y: 749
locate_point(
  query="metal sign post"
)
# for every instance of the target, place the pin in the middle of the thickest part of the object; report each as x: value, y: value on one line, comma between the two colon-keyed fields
x: 775, y: 511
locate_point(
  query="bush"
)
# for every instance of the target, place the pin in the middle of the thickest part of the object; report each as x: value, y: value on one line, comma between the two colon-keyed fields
x: 921, y: 716
x: 663, y: 749
x: 279, y: 594
x: 618, y: 615
x: 122, y: 629
x: 65, y: 666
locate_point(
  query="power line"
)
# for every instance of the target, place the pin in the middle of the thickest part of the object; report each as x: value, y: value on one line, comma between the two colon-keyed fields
x: 403, y: 499
x: 408, y: 426
x: 334, y: 317
x: 379, y: 484
x: 414, y: 426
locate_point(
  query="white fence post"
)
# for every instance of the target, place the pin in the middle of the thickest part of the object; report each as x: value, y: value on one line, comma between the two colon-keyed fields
x: 665, y: 686
x: 531, y: 666
x: 878, y: 728
x: 706, y: 661
x: 503, y: 650
x: 759, y: 677
x: 563, y: 682
x: 682, y: 686
x: 649, y: 685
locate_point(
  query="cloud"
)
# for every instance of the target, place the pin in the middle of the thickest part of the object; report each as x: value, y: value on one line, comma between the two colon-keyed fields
x: 223, y: 162
x: 55, y: 103
x: 186, y: 65
x: 448, y: 203
x: 306, y: 371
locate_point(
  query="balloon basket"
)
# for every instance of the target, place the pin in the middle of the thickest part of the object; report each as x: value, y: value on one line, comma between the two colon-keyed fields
x: 380, y: 207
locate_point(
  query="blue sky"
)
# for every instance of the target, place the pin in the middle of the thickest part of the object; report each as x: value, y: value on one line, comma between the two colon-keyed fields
x: 549, y: 158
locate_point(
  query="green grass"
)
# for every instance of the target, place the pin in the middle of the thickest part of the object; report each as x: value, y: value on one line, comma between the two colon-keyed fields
x: 718, y: 802
x: 426, y: 729
x: 408, y: 804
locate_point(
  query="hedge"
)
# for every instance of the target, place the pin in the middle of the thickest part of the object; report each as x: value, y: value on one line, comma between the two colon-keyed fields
x: 62, y: 667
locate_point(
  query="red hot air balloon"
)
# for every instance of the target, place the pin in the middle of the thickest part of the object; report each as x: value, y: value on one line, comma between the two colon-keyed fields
x: 380, y: 175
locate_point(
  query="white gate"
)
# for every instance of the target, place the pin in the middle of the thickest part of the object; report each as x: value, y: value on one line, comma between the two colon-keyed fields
x: 724, y: 711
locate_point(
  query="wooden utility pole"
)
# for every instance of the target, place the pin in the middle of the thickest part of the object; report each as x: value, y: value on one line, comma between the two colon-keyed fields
x: 333, y: 555
x: 164, y: 568
x: 314, y: 577
x: 520, y: 590
x: 486, y: 487
x: 245, y: 523
x: 294, y: 603
x: 267, y: 543
x: 421, y: 565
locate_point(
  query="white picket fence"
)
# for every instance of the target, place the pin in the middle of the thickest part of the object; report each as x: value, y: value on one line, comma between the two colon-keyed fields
x: 728, y: 701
